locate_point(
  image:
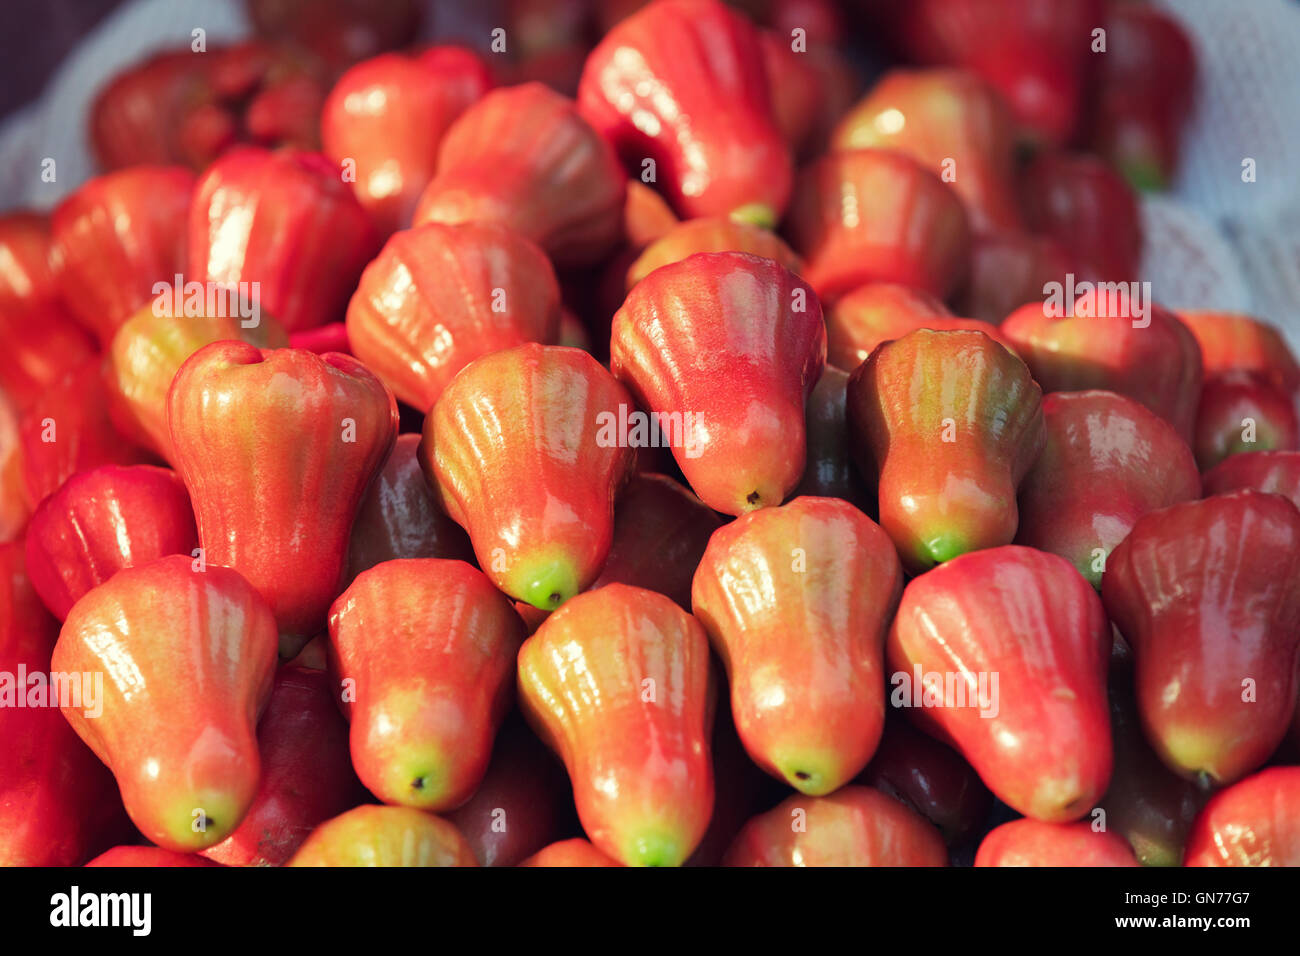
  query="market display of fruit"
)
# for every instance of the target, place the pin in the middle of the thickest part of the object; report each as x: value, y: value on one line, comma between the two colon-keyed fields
x: 659, y: 435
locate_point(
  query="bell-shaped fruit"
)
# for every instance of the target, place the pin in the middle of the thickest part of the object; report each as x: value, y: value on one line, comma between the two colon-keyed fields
x: 714, y: 234
x: 277, y: 449
x: 660, y: 532
x: 1107, y: 462
x: 569, y: 853
x: 855, y: 826
x: 1018, y: 620
x: 188, y: 657
x: 1243, y: 411
x: 283, y: 227
x: 796, y: 600
x: 949, y: 423
x: 953, y: 123
x: 389, y: 115
x: 400, y: 516
x: 1204, y: 592
x: 150, y: 348
x: 1150, y: 357
x: 682, y: 86
x: 931, y: 778
x: 523, y: 157
x: 425, y: 650
x: 58, y: 803
x: 518, y: 450
x: 874, y: 215
x: 1252, y: 823
x: 1274, y: 471
x: 723, y: 349
x: 307, y: 774
x: 1028, y: 842
x: 617, y: 682
x: 438, y: 297
x: 385, y: 836
x: 115, y: 238
x: 102, y: 521
x: 1231, y: 342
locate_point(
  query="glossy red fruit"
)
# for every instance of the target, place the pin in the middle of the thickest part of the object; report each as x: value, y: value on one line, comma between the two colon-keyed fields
x: 856, y: 826
x: 796, y: 600
x: 286, y: 221
x: 874, y: 215
x: 437, y: 297
x: 307, y: 775
x: 337, y: 31
x: 1028, y: 842
x: 683, y: 83
x: 711, y: 235
x: 1008, y: 269
x: 646, y: 216
x: 425, y: 652
x: 1152, y: 358
x: 277, y: 449
x: 953, y: 123
x: 58, y: 803
x: 27, y: 278
x: 828, y: 471
x: 14, y: 506
x: 522, y: 803
x: 116, y: 237
x: 400, y: 517
x: 1107, y: 462
x: 575, y: 852
x: 1243, y: 411
x: 1204, y: 594
x: 931, y: 778
x: 1086, y: 206
x: 660, y: 532
x: 389, y: 115
x: 190, y: 656
x: 617, y: 683
x: 1274, y: 471
x: 102, y: 521
x: 1039, y: 737
x: 523, y: 157
x: 519, y: 452
x: 68, y: 430
x: 724, y: 348
x: 1253, y: 823
x: 133, y: 856
x: 1233, y: 342
x: 385, y: 836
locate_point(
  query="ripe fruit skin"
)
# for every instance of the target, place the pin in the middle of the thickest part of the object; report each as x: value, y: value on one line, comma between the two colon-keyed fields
x: 1028, y: 842
x: 115, y: 237
x: 188, y: 658
x: 522, y: 156
x: 1030, y: 618
x: 1243, y: 411
x: 714, y: 234
x: 102, y: 521
x: 855, y: 826
x: 1233, y: 342
x: 1274, y: 471
x: 1204, y: 592
x: 930, y: 778
x: 277, y: 449
x: 437, y: 297
x: 1252, y: 823
x: 148, y: 350
x: 575, y: 852
x: 286, y: 220
x: 426, y: 648
x: 14, y: 506
x: 1008, y: 269
x: 948, y: 423
x: 1158, y: 363
x: 660, y: 532
x: 947, y: 120
x: 796, y: 600
x: 828, y: 471
x: 874, y: 215
x: 1107, y: 462
x: 372, y: 835
x: 512, y: 449
x: 307, y: 774
x: 617, y: 683
x: 58, y: 803
x: 120, y: 856
x: 389, y: 115
x: 734, y: 343
x: 683, y: 83
x: 400, y: 517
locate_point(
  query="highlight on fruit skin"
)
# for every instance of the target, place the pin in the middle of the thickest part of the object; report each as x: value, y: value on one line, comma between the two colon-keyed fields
x: 1027, y: 842
x: 385, y: 836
